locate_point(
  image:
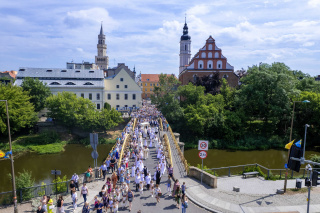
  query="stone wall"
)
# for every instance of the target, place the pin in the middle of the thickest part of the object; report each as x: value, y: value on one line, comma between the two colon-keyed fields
x: 207, y: 178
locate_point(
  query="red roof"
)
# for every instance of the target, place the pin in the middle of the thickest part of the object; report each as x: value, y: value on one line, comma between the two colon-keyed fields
x: 12, y: 73
x: 151, y: 77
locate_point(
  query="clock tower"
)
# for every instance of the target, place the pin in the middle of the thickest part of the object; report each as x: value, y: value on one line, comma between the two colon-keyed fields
x: 185, y: 48
x: 102, y: 60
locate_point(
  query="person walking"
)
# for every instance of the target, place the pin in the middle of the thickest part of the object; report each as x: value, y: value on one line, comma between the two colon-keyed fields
x: 103, y: 169
x: 75, y: 179
x: 86, y: 208
x: 184, y: 203
x: 74, y: 200
x: 175, y: 185
x: 60, y: 208
x: 44, y: 202
x: 130, y: 198
x: 169, y: 185
x: 158, y: 176
x: 158, y: 193
x: 177, y: 195
x: 114, y: 179
x: 50, y: 205
x: 84, y: 192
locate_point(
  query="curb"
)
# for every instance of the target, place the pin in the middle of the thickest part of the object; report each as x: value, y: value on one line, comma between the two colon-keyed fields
x: 201, y: 205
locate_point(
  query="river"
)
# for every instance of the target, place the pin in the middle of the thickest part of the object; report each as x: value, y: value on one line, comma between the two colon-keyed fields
x: 272, y: 159
x: 75, y: 158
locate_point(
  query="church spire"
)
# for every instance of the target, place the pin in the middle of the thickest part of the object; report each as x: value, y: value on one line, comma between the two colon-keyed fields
x: 101, y: 29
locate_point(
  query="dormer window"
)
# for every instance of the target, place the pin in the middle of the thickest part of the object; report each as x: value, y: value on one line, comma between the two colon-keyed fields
x: 22, y: 69
x: 55, y: 83
x: 49, y: 70
x: 70, y: 83
x: 88, y: 83
x: 91, y: 71
x: 77, y: 70
x: 63, y: 70
x: 148, y: 79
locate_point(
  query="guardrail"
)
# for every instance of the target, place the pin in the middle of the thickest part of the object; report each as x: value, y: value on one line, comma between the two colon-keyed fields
x: 167, y: 144
x: 161, y: 125
x: 26, y: 194
x: 183, y: 160
x: 237, y: 170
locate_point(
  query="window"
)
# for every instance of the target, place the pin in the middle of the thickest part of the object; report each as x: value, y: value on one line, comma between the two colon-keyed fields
x: 98, y: 96
x: 91, y: 71
x: 98, y: 106
x: 147, y: 80
x: 125, y: 96
x: 118, y: 86
x: 109, y: 96
x: 49, y: 70
x: 125, y: 105
x: 210, y: 47
x: 225, y: 76
x: 70, y: 83
x: 88, y: 83
x: 216, y: 55
x: 210, y: 64
x: 77, y: 70
x: 200, y: 64
x: 55, y: 83
x: 150, y: 89
x: 117, y: 96
x: 210, y: 55
x: 63, y: 70
x: 146, y: 90
x: 121, y: 79
x: 133, y: 96
x: 118, y: 106
x: 150, y: 84
x: 203, y: 55
x: 141, y: 84
x: 125, y: 86
x: 157, y: 84
x: 185, y: 47
x: 82, y: 95
x: 219, y: 64
x: 134, y: 105
x: 90, y: 96
x: 146, y: 84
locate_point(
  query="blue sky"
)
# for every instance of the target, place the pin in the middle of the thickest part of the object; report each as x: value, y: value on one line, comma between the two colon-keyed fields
x: 146, y: 33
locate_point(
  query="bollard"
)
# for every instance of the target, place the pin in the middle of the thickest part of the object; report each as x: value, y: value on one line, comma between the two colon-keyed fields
x: 229, y: 172
x: 268, y: 173
x: 291, y: 173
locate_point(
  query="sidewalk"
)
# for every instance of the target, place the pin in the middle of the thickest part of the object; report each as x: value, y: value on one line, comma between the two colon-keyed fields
x: 256, y: 194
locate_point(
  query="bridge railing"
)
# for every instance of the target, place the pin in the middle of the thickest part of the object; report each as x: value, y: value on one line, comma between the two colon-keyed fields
x: 183, y: 160
x: 239, y: 169
x: 167, y: 144
x: 161, y: 125
x: 125, y: 142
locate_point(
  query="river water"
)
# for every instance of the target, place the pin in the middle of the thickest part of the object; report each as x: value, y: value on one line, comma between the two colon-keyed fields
x: 272, y: 159
x: 75, y: 158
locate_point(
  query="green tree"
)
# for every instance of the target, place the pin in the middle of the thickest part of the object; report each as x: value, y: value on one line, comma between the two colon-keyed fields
x: 191, y: 94
x: 21, y: 111
x: 38, y: 92
x: 24, y: 180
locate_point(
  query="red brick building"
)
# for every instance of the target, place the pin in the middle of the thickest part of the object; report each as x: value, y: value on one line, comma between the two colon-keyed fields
x: 207, y: 61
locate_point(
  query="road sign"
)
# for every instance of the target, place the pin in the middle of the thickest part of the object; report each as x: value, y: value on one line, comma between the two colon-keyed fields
x: 94, y: 140
x: 203, y: 145
x: 94, y: 154
x: 203, y: 154
x: 55, y: 172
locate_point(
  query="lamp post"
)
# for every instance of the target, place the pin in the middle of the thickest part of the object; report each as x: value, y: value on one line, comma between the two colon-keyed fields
x: 11, y: 158
x: 286, y: 175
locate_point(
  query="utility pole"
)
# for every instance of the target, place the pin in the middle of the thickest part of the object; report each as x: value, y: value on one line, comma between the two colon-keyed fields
x: 12, y: 165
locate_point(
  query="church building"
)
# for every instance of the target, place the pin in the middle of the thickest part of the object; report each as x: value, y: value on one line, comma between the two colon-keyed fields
x: 207, y: 61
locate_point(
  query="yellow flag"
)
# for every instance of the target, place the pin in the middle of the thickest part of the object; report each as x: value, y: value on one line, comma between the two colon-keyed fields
x: 288, y: 145
x: 2, y: 154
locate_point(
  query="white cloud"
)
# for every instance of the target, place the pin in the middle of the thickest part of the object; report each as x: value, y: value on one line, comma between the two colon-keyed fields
x: 314, y: 3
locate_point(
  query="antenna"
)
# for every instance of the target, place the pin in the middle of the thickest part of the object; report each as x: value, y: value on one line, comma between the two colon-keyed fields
x: 185, y: 17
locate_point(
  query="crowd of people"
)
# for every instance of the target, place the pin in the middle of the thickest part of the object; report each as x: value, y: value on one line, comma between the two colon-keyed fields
x: 125, y: 172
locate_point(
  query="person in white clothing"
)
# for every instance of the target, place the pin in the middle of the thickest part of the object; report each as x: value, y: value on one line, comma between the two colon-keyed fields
x: 74, y: 199
x: 133, y: 171
x: 148, y: 180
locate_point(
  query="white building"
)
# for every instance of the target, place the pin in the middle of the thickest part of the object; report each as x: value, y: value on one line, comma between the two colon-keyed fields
x: 121, y: 90
x: 84, y: 83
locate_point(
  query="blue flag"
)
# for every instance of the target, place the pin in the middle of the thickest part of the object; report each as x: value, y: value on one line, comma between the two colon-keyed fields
x: 8, y: 153
x: 298, y: 144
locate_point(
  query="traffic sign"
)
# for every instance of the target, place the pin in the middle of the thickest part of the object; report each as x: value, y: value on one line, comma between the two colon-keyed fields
x: 94, y: 154
x: 55, y: 172
x: 203, y: 145
x: 94, y: 140
x: 203, y: 154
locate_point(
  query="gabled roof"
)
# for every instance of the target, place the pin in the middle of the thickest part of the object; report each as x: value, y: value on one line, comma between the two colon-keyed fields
x: 112, y: 72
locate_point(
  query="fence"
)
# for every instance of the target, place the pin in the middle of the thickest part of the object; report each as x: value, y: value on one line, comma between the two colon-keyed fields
x: 168, y: 148
x: 26, y: 194
x: 239, y: 169
x: 183, y: 160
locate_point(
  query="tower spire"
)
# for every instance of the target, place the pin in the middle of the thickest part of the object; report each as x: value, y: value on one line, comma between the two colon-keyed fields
x: 101, y: 29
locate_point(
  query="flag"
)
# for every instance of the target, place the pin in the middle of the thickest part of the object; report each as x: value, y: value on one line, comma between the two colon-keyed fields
x: 8, y: 153
x: 298, y: 144
x: 2, y: 154
x: 288, y: 145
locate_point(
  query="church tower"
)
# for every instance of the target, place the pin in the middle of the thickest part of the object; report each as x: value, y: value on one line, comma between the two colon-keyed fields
x: 102, y: 60
x: 185, y: 48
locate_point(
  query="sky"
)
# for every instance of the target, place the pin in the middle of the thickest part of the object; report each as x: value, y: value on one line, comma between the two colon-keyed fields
x: 146, y: 33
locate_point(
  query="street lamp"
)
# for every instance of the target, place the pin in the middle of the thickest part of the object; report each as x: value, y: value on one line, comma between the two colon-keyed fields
x: 286, y: 175
x: 12, y: 166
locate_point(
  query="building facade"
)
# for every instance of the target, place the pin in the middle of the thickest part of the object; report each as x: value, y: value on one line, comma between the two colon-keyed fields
x: 84, y: 83
x: 207, y: 61
x: 121, y: 90
x: 147, y: 82
x: 82, y: 66
x: 102, y: 60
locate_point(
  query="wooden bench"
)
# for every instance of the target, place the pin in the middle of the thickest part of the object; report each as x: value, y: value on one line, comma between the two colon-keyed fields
x: 249, y: 173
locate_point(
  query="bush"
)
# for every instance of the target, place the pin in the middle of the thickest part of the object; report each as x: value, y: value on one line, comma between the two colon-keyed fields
x: 208, y: 171
x: 107, y: 106
x: 46, y: 137
x: 24, y: 180
x: 61, y: 187
x: 315, y: 158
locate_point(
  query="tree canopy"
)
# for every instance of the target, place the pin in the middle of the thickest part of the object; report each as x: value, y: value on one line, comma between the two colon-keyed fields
x: 38, y: 92
x: 21, y: 111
